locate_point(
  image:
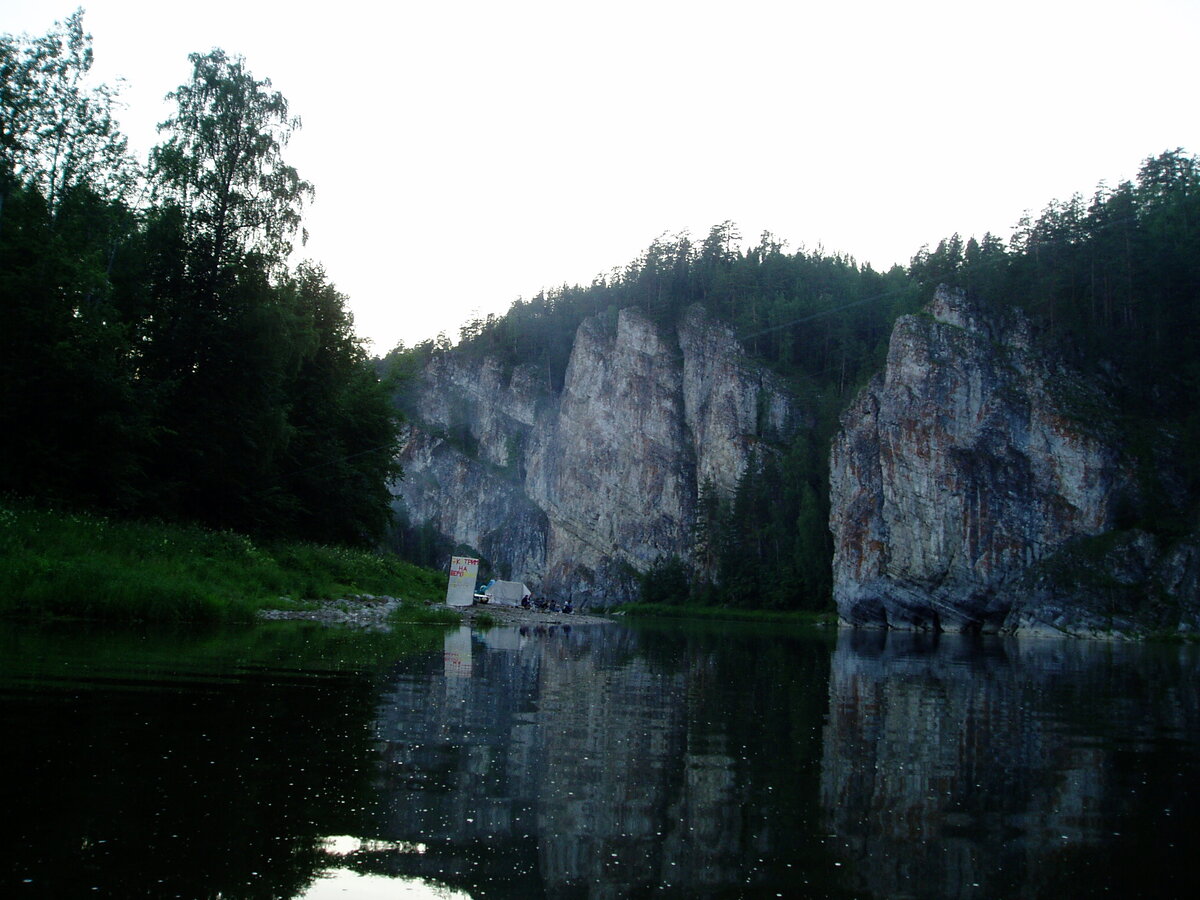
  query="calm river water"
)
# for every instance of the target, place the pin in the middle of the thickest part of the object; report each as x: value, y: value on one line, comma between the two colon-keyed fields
x: 289, y: 761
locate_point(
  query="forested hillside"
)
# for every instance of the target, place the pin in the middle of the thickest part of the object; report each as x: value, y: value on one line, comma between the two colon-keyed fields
x: 160, y: 358
x: 820, y: 321
x: 1112, y: 285
x: 157, y: 355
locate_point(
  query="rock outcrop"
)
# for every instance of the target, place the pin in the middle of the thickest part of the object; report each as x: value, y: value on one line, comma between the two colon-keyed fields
x: 968, y: 461
x: 572, y: 491
x: 1124, y: 584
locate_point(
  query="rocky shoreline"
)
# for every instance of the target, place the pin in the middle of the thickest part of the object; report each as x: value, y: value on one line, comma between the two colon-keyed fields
x: 372, y: 613
x: 516, y: 616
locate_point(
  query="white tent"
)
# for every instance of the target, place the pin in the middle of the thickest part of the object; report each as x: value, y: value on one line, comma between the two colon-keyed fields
x: 506, y: 593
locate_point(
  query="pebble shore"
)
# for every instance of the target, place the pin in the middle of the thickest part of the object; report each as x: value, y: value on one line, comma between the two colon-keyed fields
x: 371, y: 613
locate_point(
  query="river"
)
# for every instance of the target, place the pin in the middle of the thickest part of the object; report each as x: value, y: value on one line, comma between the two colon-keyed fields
x: 294, y: 761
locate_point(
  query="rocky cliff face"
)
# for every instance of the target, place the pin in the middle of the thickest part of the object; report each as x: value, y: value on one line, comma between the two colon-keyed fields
x: 572, y: 491
x: 961, y: 467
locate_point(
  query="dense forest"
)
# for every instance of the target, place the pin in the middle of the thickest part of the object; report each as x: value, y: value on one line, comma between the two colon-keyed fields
x: 1112, y: 284
x: 158, y: 358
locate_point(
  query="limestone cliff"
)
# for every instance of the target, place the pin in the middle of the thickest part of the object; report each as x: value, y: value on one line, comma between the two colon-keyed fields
x: 975, y: 485
x: 571, y: 491
x: 967, y: 462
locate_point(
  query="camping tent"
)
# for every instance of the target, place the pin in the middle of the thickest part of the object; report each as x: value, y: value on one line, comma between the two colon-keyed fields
x: 506, y: 593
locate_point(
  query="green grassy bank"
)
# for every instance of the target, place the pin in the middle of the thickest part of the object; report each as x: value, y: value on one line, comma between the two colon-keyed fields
x: 70, y: 565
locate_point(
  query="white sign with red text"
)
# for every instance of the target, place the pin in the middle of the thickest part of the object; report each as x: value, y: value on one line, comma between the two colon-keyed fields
x: 461, y: 589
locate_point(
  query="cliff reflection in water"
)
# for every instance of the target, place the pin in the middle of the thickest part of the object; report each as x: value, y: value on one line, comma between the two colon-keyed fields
x: 967, y: 767
x: 584, y: 763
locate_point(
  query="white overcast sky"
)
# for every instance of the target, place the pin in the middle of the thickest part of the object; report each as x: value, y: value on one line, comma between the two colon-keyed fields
x: 468, y: 153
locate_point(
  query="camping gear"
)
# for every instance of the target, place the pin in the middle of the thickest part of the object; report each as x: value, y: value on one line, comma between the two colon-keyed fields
x: 506, y: 593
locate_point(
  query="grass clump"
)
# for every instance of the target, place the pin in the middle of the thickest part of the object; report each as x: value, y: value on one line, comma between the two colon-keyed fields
x: 72, y: 565
x: 484, y: 621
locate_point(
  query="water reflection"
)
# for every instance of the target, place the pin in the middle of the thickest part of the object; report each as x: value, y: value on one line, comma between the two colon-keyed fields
x: 165, y: 764
x: 339, y: 884
x: 597, y: 763
x: 340, y: 878
x: 955, y: 766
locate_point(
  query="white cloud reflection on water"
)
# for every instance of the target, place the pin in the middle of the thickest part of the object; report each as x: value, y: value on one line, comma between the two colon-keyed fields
x: 342, y: 883
x: 338, y: 882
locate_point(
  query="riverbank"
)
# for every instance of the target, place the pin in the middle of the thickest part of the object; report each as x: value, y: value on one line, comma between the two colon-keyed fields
x: 729, y: 614
x: 56, y: 564
x: 516, y: 615
x: 381, y: 613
